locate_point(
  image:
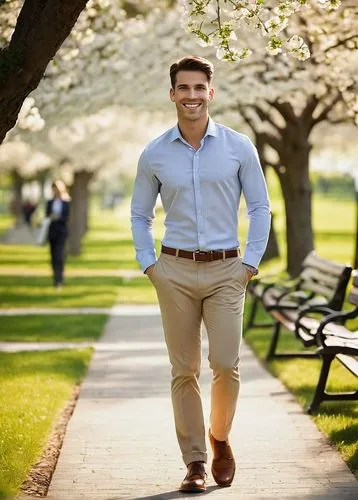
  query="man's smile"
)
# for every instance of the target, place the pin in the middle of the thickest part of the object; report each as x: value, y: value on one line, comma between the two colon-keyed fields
x: 192, y: 105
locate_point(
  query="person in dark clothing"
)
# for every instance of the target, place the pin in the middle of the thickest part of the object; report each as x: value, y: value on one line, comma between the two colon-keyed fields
x: 58, y: 209
x: 28, y: 209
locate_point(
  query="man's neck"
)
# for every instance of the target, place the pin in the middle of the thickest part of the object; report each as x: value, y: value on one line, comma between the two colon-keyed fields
x: 193, y: 132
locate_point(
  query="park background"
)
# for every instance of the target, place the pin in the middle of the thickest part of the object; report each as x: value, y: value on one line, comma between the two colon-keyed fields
x: 103, y: 98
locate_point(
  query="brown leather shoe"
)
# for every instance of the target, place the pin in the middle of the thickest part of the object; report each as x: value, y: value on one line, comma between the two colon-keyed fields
x: 223, y: 466
x: 194, y: 481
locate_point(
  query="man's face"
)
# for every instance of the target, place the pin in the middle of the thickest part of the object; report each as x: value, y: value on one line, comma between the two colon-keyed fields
x: 192, y: 94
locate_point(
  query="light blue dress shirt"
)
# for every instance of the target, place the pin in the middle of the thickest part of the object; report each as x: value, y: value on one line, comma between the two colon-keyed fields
x: 200, y: 192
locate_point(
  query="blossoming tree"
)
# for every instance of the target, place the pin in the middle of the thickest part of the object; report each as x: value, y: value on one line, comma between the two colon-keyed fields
x: 281, y: 99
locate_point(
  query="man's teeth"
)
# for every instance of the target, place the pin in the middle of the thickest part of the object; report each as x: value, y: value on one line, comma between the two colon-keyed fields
x: 191, y: 105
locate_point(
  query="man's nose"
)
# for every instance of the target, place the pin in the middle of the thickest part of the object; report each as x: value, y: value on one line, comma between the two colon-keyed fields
x: 192, y: 93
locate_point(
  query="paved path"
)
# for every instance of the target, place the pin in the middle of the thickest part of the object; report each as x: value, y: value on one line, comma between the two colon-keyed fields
x: 120, y: 442
x: 115, y: 311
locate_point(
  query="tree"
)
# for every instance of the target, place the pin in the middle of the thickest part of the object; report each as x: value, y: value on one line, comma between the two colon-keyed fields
x: 41, y: 27
x: 285, y: 98
x: 34, y: 34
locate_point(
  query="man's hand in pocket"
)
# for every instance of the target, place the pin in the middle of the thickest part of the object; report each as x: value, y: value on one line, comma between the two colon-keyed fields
x: 149, y: 272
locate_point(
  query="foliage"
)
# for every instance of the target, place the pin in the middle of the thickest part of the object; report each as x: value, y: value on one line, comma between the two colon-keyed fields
x: 218, y: 23
x: 333, y: 185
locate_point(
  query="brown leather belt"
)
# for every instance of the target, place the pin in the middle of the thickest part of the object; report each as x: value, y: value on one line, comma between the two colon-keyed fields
x: 199, y: 256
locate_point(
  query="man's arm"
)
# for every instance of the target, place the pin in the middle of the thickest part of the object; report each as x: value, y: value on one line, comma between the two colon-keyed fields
x: 258, y: 206
x: 142, y: 213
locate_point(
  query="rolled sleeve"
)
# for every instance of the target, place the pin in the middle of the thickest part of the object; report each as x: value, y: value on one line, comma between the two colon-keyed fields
x: 142, y: 213
x: 258, y: 205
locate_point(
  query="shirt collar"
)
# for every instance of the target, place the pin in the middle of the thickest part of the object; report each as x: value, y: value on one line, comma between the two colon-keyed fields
x: 210, y: 130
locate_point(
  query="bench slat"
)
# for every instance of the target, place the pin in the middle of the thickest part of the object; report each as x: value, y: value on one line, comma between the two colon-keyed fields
x: 317, y: 288
x: 316, y: 275
x: 353, y: 296
x: 333, y: 341
x: 350, y: 362
x: 325, y: 265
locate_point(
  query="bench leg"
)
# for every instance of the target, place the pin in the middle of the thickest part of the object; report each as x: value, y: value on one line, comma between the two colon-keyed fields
x: 320, y: 389
x: 274, y: 341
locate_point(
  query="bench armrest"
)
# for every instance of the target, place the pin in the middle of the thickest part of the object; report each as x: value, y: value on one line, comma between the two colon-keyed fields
x: 335, y: 317
x: 305, y: 310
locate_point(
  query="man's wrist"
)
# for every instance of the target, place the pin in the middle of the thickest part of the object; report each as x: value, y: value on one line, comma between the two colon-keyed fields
x: 253, y: 270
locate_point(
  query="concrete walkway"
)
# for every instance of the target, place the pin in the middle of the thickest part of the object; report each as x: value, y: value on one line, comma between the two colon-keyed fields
x: 120, y: 442
x: 114, y: 311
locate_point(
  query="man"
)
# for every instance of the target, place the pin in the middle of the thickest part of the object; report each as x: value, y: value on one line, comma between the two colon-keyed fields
x: 200, y: 168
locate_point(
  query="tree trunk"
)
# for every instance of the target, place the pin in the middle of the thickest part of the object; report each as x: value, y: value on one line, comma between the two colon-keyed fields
x: 16, y: 201
x: 79, y: 209
x: 297, y: 193
x: 272, y: 250
x: 355, y: 265
x: 41, y: 28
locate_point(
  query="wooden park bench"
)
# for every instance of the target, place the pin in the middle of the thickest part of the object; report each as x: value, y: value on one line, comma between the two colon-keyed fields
x: 319, y: 289
x: 336, y: 341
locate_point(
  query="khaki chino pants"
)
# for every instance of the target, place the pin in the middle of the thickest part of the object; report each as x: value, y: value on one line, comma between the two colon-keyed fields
x: 189, y: 292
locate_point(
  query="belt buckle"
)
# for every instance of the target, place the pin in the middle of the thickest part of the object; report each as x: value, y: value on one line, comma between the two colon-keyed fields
x: 198, y: 252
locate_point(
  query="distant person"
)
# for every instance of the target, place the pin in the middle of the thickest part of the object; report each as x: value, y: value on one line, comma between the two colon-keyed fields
x: 28, y: 209
x: 200, y: 169
x: 58, y: 209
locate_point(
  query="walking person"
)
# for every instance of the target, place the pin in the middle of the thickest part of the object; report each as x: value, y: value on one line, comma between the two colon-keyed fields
x: 200, y: 169
x: 58, y: 209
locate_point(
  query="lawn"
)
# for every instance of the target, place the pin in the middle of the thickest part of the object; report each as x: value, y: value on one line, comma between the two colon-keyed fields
x: 34, y: 388
x: 339, y: 419
x: 52, y: 328
x: 18, y: 291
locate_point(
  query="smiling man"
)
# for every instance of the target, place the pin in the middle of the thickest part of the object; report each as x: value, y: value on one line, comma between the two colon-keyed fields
x: 200, y: 169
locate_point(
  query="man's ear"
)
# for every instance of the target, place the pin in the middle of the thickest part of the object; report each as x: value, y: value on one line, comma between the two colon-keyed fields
x: 171, y: 94
x: 211, y: 93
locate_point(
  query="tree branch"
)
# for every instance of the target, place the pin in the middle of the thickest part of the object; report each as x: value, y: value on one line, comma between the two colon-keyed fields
x: 285, y: 109
x: 309, y: 109
x: 265, y: 116
x: 325, y: 111
x: 341, y: 42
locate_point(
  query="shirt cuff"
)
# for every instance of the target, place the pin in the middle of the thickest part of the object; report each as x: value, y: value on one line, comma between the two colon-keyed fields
x: 251, y: 259
x: 147, y: 261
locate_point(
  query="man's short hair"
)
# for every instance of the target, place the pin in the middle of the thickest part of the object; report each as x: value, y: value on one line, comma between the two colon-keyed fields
x: 191, y: 63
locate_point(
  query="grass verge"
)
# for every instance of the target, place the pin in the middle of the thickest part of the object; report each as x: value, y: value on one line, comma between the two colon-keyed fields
x: 338, y: 419
x: 52, y: 328
x: 34, y: 388
x: 17, y: 291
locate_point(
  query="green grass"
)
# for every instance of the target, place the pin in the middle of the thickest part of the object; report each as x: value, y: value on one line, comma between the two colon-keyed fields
x: 108, y: 245
x: 52, y: 328
x: 34, y: 388
x: 17, y: 291
x: 338, y: 419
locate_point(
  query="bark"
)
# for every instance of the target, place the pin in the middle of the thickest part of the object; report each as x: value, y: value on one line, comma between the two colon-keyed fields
x: 41, y: 28
x: 297, y: 193
x: 16, y: 201
x: 355, y: 265
x: 79, y: 210
x: 272, y: 250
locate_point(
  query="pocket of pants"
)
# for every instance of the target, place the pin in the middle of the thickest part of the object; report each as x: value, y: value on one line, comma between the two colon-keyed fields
x: 242, y: 274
